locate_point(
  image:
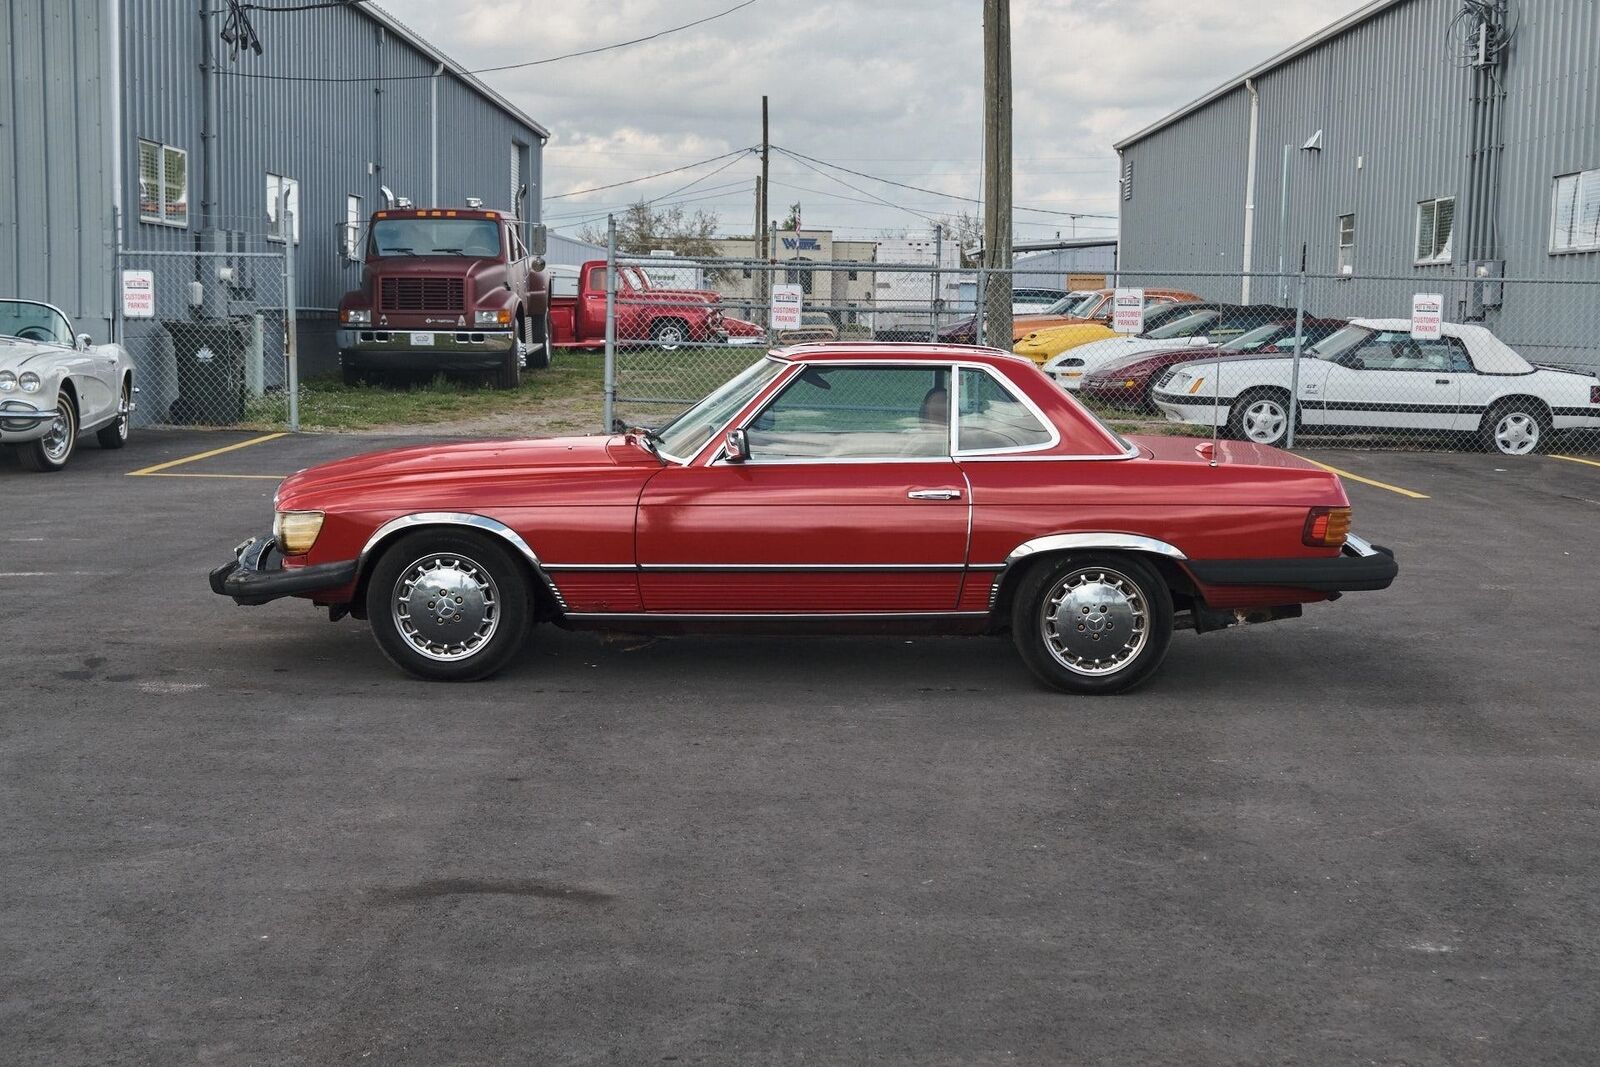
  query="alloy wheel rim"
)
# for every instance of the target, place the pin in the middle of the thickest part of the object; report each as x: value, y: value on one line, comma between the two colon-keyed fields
x: 1264, y: 421
x: 446, y: 606
x: 1095, y: 621
x: 1517, y: 434
x: 124, y: 410
x: 57, y: 443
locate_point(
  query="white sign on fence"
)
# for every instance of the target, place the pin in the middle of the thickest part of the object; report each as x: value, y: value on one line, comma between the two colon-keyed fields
x: 1127, y: 311
x: 138, y: 294
x: 786, y: 304
x: 1427, y: 316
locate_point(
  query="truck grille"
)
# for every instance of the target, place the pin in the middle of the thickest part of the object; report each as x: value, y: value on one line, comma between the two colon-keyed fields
x: 423, y: 294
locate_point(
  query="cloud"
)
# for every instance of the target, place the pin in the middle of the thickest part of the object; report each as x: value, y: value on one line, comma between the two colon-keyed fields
x: 890, y: 87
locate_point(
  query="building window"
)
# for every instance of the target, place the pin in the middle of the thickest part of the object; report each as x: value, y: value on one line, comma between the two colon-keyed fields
x: 289, y: 188
x: 1575, y: 213
x: 163, y: 184
x: 1347, y: 244
x: 1435, y: 220
x: 352, y: 226
x: 1127, y: 179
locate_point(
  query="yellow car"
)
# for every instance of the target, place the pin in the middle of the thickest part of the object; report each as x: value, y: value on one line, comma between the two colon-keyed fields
x: 1043, y: 345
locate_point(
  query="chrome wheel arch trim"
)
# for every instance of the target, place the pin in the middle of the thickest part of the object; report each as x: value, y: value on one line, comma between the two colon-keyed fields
x: 1105, y: 541
x: 466, y: 519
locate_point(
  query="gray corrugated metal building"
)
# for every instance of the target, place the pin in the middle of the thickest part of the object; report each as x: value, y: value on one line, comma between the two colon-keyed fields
x: 102, y: 124
x: 1444, y: 155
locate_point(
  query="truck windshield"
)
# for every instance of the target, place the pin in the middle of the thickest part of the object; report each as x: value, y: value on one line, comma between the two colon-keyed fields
x: 478, y: 238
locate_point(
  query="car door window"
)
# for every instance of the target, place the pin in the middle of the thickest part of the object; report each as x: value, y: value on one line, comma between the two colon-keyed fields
x: 856, y: 413
x: 991, y: 418
x: 1396, y: 350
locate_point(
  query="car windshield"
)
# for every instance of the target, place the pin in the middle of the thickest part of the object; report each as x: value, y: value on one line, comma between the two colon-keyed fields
x: 28, y: 321
x: 1251, y: 340
x: 1340, y: 342
x: 1187, y: 326
x: 685, y: 435
x: 475, y: 238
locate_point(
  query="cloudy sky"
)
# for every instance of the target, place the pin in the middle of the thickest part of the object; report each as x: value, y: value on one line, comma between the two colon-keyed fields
x: 891, y: 88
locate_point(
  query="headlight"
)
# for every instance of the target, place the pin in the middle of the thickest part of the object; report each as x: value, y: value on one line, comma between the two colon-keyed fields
x: 296, y: 531
x: 29, y: 382
x: 491, y: 318
x: 356, y: 316
x: 8, y: 381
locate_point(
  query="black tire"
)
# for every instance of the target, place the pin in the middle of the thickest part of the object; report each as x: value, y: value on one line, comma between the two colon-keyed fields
x: 1519, y: 426
x: 1260, y: 416
x: 1127, y: 596
x: 463, y: 561
x: 539, y: 351
x: 116, y: 435
x: 509, y: 374
x: 669, y: 334
x: 51, y: 452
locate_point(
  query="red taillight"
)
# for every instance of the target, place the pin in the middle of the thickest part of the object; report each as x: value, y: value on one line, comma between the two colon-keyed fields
x: 1326, y: 527
x: 1594, y: 394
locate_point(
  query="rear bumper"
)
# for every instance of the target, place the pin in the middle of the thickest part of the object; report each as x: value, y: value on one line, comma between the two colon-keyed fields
x: 257, y: 575
x: 1360, y: 566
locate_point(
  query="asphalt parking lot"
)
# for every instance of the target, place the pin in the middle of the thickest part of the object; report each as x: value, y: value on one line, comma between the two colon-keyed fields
x: 237, y: 835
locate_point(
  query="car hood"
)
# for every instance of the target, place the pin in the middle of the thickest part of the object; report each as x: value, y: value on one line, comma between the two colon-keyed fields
x: 16, y: 355
x: 457, y: 462
x: 1098, y: 353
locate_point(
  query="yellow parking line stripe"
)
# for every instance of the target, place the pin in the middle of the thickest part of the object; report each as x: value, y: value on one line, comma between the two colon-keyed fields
x: 1575, y: 459
x: 206, y: 455
x: 1367, y: 481
x: 186, y: 474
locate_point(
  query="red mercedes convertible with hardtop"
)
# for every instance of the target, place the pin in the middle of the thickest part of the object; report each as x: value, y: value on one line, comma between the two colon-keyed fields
x: 852, y: 487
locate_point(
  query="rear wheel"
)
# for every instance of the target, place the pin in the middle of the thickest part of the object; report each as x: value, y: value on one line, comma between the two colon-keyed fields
x: 1262, y: 416
x: 449, y: 605
x: 51, y: 452
x: 539, y: 351
x: 1092, y: 624
x: 1515, y: 427
x: 116, y: 435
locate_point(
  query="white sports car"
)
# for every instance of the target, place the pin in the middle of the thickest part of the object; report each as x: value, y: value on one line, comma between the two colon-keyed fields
x: 54, y: 386
x: 1373, y: 375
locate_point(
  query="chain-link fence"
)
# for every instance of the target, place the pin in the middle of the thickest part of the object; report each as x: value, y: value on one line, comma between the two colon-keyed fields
x: 211, y: 335
x: 1432, y: 361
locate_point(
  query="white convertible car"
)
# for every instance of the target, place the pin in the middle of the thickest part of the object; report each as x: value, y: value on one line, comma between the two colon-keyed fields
x: 54, y: 386
x: 1374, y: 376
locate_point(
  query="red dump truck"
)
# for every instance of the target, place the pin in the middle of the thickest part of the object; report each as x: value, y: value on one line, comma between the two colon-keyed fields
x: 447, y: 289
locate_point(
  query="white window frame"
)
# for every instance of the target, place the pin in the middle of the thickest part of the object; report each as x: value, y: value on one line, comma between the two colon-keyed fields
x: 1440, y: 255
x: 1582, y: 178
x: 163, y: 205
x: 273, y: 224
x: 353, y: 218
x: 1346, y: 263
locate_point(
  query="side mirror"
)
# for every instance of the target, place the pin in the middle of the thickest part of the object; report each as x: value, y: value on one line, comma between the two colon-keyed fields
x: 736, y: 446
x: 539, y: 240
x: 85, y: 342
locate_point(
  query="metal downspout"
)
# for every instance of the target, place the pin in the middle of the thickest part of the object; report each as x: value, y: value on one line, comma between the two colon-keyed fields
x: 433, y: 136
x: 1248, y: 258
x: 113, y: 31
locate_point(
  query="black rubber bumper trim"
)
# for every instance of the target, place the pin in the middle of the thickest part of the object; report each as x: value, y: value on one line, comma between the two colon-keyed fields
x: 251, y: 581
x: 1339, y: 574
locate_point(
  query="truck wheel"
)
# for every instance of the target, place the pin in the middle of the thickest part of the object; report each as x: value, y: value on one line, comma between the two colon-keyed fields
x: 509, y: 376
x: 449, y: 606
x: 539, y: 352
x: 669, y: 333
x: 1092, y: 624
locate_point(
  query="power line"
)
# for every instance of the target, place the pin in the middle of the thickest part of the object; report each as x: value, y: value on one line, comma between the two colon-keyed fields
x: 801, y: 156
x: 857, y: 188
x: 481, y: 70
x: 647, y: 177
x: 724, y: 191
x: 663, y: 196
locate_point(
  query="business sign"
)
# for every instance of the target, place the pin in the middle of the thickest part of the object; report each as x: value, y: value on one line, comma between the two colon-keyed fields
x: 786, y: 304
x: 1427, y: 316
x: 802, y: 244
x: 138, y: 294
x: 1127, y: 311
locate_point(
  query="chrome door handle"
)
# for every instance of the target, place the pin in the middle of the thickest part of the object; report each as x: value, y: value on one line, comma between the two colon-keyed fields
x: 934, y: 494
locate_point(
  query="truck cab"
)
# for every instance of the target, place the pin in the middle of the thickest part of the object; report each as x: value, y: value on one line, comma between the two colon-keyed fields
x: 447, y: 289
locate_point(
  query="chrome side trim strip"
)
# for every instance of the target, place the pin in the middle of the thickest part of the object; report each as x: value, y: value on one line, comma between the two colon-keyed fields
x: 758, y: 615
x: 1130, y: 542
x: 772, y: 567
x: 461, y: 518
x: 590, y: 567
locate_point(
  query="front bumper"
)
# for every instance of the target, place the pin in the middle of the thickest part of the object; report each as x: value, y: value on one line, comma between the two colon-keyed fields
x: 257, y: 575
x: 384, y: 349
x: 1360, y: 566
x: 20, y: 421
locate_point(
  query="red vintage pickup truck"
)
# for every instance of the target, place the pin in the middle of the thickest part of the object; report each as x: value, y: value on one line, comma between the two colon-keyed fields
x: 666, y: 318
x: 447, y: 289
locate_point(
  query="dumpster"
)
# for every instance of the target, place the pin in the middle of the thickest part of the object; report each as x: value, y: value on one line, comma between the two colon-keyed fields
x: 210, y: 358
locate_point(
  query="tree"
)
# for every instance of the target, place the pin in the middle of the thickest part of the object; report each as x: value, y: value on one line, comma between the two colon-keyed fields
x: 966, y: 231
x: 793, y: 220
x: 641, y: 229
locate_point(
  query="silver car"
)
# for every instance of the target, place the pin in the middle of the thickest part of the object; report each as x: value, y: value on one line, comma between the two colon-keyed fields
x: 55, y: 387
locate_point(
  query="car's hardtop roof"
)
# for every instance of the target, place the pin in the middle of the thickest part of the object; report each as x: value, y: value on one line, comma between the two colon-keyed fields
x: 1488, y: 353
x: 892, y: 351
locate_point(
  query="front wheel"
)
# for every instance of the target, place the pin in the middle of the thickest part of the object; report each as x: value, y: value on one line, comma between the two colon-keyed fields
x: 1092, y: 624
x: 509, y: 374
x: 539, y: 350
x: 449, y: 606
x: 51, y: 452
x: 1261, y: 416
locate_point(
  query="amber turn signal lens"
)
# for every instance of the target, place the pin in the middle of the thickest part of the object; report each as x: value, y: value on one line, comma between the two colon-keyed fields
x: 296, y: 531
x: 1326, y: 527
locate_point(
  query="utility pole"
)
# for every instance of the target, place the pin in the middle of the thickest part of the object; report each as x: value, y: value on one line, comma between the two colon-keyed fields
x: 996, y: 323
x: 763, y: 248
x: 755, y: 250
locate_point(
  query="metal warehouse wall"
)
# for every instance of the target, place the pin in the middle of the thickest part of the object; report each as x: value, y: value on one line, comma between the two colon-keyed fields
x: 1394, y: 109
x: 335, y: 137
x: 571, y: 252
x: 1053, y: 267
x: 55, y: 191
